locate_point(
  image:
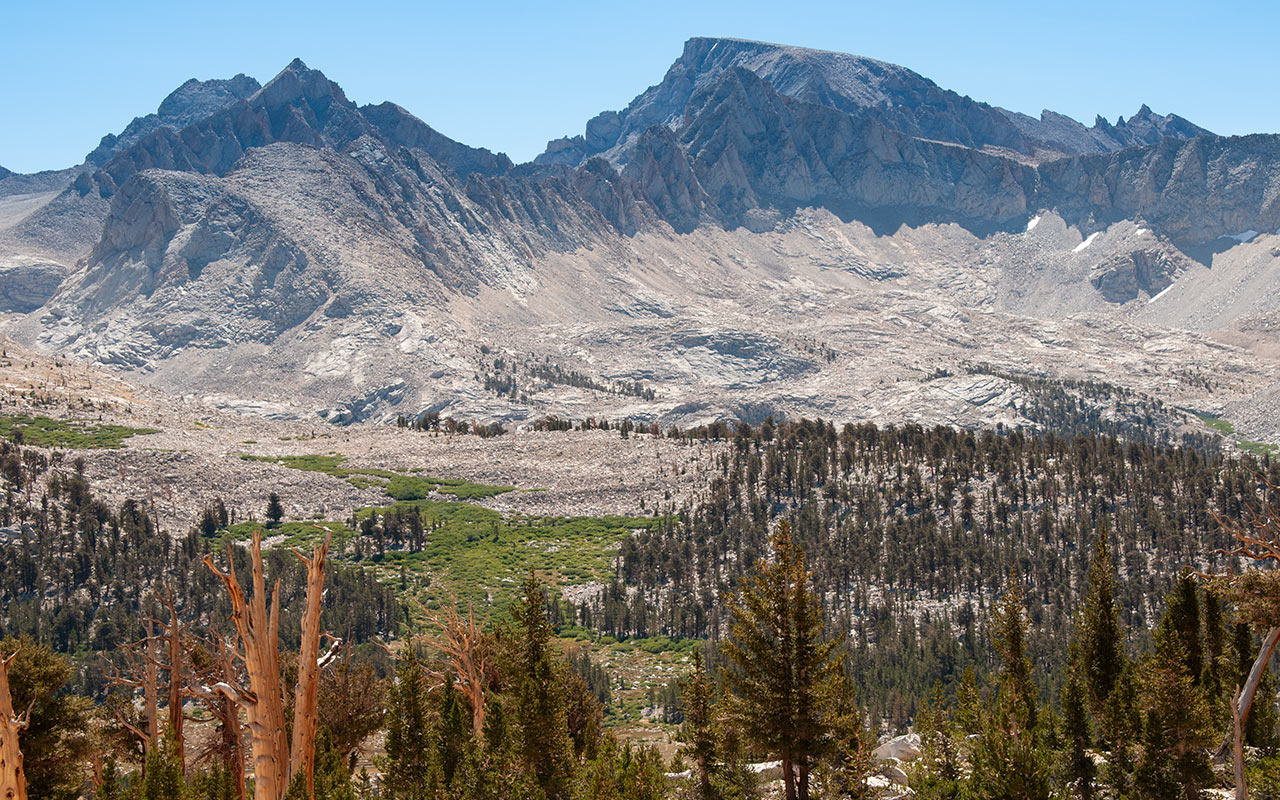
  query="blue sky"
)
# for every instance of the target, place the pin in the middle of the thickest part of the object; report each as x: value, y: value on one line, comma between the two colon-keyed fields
x: 510, y: 76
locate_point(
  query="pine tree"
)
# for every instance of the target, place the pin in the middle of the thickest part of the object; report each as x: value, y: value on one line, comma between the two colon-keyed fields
x: 938, y: 773
x: 541, y: 713
x: 54, y: 744
x: 1176, y: 727
x: 1182, y: 619
x: 1009, y: 761
x: 453, y: 731
x: 782, y: 671
x: 275, y: 511
x: 1123, y: 720
x: 1101, y: 637
x: 407, y: 766
x: 162, y: 774
x: 1078, y: 768
x: 698, y: 732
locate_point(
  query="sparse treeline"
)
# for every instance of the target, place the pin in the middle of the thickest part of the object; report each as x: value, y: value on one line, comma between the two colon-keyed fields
x: 1019, y: 601
x: 83, y: 577
x: 911, y: 532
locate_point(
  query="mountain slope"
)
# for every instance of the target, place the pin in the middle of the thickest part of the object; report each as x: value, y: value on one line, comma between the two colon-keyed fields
x: 894, y: 96
x: 759, y: 251
x: 190, y: 102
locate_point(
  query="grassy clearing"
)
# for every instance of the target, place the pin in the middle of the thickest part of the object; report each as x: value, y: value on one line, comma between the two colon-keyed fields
x: 477, y: 555
x: 474, y: 554
x: 72, y: 434
x: 296, y: 534
x: 1224, y: 427
x: 398, y: 485
x: 1259, y: 449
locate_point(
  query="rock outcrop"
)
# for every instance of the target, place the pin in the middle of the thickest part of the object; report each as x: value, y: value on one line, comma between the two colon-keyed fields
x: 27, y: 284
x: 356, y: 253
x: 895, y: 97
x: 189, y: 103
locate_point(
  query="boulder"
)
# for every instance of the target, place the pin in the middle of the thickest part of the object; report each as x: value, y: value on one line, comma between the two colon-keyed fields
x: 900, y: 748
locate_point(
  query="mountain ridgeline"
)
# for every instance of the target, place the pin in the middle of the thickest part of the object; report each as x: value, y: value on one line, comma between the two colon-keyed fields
x: 241, y: 219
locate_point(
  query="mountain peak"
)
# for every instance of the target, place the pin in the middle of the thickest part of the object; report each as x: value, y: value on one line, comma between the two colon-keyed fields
x: 191, y: 102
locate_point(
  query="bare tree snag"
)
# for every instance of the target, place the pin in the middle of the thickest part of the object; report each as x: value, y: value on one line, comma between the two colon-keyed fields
x: 173, y: 637
x: 13, y: 781
x: 263, y: 701
x: 143, y: 663
x: 466, y: 653
x: 1254, y: 592
x: 306, y: 694
x: 274, y: 764
x: 228, y: 747
x: 1237, y: 747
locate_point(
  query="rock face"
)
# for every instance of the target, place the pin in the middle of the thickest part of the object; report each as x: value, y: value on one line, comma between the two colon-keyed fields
x: 353, y: 254
x: 1192, y: 190
x: 1060, y: 133
x: 189, y: 103
x: 25, y: 285
x: 895, y: 97
x: 1149, y: 271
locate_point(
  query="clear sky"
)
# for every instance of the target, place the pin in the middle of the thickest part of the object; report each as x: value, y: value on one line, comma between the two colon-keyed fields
x: 511, y: 75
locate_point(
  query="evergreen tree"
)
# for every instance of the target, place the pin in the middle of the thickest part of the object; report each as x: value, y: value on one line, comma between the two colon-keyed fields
x: 275, y: 511
x: 55, y: 742
x: 844, y: 771
x: 1101, y: 638
x: 698, y: 732
x: 1123, y: 720
x: 1176, y: 727
x: 782, y: 671
x: 453, y: 730
x: 162, y: 777
x: 110, y: 786
x: 1009, y: 761
x: 1182, y: 620
x: 407, y: 766
x: 939, y: 772
x: 1077, y: 767
x: 540, y: 705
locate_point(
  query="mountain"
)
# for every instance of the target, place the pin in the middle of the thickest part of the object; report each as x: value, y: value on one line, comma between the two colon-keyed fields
x: 894, y: 96
x: 190, y: 102
x: 770, y: 230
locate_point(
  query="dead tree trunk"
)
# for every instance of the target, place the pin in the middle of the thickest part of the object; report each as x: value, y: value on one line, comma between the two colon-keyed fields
x: 1243, y: 704
x: 273, y: 764
x: 13, y: 781
x: 466, y: 653
x: 173, y: 636
x: 142, y: 662
x: 1237, y: 747
x: 306, y: 694
x: 229, y: 747
x: 151, y: 687
x: 263, y: 702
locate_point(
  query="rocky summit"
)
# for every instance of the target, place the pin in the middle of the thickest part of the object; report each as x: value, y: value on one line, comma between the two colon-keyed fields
x: 767, y: 230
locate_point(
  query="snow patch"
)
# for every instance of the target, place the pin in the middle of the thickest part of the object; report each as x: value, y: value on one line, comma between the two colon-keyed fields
x: 1140, y: 231
x: 1032, y: 223
x: 1080, y: 247
x: 1159, y: 294
x: 1242, y: 237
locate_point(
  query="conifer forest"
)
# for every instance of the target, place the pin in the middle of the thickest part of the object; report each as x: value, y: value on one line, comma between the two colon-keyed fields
x: 860, y: 611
